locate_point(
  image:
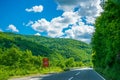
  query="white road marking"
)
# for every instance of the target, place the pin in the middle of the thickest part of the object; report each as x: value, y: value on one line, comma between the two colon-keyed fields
x: 35, y: 79
x: 99, y: 75
x: 83, y: 69
x: 77, y: 73
x: 70, y: 78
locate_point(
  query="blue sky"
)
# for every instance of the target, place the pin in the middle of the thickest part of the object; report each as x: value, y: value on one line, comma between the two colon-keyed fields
x: 51, y: 18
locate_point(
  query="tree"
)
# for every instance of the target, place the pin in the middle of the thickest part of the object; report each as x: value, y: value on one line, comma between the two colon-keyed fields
x: 70, y: 62
x: 11, y: 56
x: 106, y: 40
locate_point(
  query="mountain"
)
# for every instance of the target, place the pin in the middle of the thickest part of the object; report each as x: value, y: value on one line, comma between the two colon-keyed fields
x: 23, y: 54
x: 45, y: 46
x: 7, y: 40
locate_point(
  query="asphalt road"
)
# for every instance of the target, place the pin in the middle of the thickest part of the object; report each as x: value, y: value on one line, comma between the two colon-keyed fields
x: 77, y: 74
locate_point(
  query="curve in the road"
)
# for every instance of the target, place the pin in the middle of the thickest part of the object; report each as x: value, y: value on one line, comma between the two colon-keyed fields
x: 77, y: 74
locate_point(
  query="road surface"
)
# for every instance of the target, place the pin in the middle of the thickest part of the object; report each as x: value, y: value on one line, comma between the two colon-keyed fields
x: 77, y: 74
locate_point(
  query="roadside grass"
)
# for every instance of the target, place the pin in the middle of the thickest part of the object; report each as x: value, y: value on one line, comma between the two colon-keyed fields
x: 25, y: 73
x: 9, y: 73
x: 3, y: 76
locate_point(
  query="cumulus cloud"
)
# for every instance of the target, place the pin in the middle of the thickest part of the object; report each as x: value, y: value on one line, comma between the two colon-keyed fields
x: 90, y: 20
x: 80, y: 32
x: 70, y: 24
x: 87, y: 9
x: 55, y: 27
x: 84, y: 7
x: 41, y: 25
x: 12, y: 28
x: 37, y: 34
x: 67, y: 5
x: 35, y: 9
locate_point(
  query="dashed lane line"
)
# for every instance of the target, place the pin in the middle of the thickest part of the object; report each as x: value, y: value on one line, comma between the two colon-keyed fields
x: 77, y: 73
x: 70, y: 78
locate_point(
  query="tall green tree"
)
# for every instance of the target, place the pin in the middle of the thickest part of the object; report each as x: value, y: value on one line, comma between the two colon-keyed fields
x: 106, y: 41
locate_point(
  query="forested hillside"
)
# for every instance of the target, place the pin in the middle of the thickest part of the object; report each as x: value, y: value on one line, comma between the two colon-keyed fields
x: 45, y: 46
x: 106, y: 41
x: 23, y: 54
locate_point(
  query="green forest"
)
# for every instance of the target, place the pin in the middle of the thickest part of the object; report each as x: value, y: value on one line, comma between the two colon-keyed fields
x: 22, y: 55
x: 106, y: 41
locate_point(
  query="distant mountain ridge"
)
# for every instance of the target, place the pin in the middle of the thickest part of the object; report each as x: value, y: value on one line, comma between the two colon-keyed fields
x: 45, y: 46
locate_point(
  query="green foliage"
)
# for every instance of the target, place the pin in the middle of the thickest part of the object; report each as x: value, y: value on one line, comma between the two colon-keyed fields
x: 106, y: 41
x: 10, y: 57
x: 117, y: 2
x: 70, y: 62
x: 22, y: 55
x: 44, y: 46
x: 57, y: 60
x: 3, y: 76
x: 3, y: 73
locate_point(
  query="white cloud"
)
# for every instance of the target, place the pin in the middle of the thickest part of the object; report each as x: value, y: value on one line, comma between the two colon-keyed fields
x: 80, y: 32
x: 67, y: 5
x: 90, y: 20
x: 62, y: 22
x: 87, y: 9
x: 70, y: 23
x: 35, y: 9
x: 84, y: 7
x: 37, y: 34
x: 90, y: 8
x: 55, y: 27
x: 29, y: 23
x: 12, y: 28
x: 41, y: 25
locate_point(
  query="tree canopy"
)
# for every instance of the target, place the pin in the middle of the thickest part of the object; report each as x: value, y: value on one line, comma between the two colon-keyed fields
x: 106, y: 41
